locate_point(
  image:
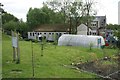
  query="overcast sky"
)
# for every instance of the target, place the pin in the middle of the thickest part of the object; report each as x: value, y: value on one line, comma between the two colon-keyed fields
x: 19, y: 8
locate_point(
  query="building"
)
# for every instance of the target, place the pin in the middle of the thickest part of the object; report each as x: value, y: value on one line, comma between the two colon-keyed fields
x: 98, y: 25
x: 119, y: 13
x: 82, y: 29
x: 48, y: 31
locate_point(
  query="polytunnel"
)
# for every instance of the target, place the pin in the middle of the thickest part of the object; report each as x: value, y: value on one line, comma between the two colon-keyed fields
x: 81, y: 40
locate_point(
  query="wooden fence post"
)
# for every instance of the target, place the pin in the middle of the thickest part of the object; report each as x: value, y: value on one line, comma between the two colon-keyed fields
x: 18, y: 49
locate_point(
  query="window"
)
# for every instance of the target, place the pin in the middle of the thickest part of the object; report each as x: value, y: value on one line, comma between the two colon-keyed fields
x: 30, y: 34
x: 60, y: 34
x: 44, y: 37
x: 44, y: 33
x: 52, y: 33
x: 112, y: 41
x: 33, y: 34
x: 56, y: 33
x: 38, y: 33
x: 90, y: 33
x: 49, y: 33
x: 94, y: 24
x: 104, y: 20
x: 40, y: 38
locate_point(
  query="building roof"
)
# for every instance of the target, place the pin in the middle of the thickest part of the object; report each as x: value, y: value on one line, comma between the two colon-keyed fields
x: 52, y: 28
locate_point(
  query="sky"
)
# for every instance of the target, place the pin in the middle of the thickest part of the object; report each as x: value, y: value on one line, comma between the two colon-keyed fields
x: 19, y: 8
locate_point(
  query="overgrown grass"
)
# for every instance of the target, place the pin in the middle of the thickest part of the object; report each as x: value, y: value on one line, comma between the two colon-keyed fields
x: 50, y: 65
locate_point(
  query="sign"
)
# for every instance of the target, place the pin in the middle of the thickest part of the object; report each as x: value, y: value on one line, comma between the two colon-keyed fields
x: 14, y: 42
x: 99, y: 41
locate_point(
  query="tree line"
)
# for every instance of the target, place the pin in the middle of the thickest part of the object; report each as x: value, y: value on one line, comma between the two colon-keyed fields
x: 68, y: 12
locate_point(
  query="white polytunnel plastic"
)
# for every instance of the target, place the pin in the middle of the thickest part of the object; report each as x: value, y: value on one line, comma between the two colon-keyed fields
x: 81, y: 40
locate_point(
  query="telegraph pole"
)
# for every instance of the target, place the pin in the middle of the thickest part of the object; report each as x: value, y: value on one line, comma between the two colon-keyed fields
x: 1, y: 10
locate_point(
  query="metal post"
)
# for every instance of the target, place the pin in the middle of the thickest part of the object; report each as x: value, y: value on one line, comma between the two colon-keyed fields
x: 32, y: 60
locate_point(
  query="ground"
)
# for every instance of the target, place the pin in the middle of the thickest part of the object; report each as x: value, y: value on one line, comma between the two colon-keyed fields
x: 54, y: 63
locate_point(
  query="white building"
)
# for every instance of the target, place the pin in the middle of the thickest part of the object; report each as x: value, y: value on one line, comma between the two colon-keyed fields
x: 119, y: 13
x: 48, y: 32
x: 82, y: 29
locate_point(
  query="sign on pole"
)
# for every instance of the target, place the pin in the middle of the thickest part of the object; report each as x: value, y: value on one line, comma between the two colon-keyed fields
x: 14, y: 42
x: 15, y: 45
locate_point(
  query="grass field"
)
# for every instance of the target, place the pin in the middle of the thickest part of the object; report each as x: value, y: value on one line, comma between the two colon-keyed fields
x: 51, y: 64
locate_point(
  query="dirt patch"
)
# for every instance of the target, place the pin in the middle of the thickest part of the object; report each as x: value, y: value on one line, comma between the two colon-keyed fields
x: 107, y: 67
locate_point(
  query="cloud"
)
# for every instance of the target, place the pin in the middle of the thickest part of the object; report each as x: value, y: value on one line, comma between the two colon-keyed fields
x: 19, y: 8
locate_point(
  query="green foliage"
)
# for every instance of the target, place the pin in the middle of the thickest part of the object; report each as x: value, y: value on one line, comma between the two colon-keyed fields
x: 6, y: 17
x: 73, y: 11
x: 34, y: 17
x: 10, y: 22
x: 91, y: 45
x: 22, y: 28
x: 118, y: 33
x: 113, y: 26
x: 11, y: 25
x: 55, y: 39
x: 44, y: 15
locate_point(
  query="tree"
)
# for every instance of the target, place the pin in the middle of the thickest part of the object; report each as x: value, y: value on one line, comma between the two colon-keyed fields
x: 11, y: 25
x: 88, y: 13
x: 33, y: 17
x: 116, y: 29
x: 44, y: 15
x: 73, y: 11
x: 36, y: 16
x: 112, y: 26
x: 22, y: 28
x: 6, y: 17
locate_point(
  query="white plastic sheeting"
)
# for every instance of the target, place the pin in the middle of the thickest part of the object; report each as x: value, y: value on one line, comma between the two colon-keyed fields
x: 81, y: 40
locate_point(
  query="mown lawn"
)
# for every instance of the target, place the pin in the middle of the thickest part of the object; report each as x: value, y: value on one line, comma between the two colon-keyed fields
x: 51, y: 64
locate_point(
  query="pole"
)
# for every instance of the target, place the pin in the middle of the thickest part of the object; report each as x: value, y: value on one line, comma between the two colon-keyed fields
x: 1, y: 41
x: 42, y: 48
x: 18, y: 49
x: 32, y: 60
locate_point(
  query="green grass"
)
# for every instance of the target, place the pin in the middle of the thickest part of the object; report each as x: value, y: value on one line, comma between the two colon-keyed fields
x: 51, y: 64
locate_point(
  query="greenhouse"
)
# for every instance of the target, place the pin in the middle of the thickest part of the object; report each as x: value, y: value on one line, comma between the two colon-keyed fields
x: 81, y: 40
